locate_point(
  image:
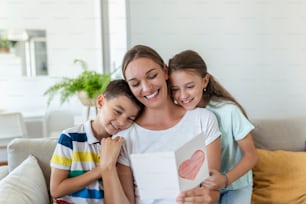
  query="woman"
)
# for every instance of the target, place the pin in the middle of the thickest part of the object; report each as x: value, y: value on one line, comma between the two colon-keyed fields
x: 162, y: 126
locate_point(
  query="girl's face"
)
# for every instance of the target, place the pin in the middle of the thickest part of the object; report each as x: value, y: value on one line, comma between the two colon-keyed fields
x: 147, y: 81
x: 187, y: 88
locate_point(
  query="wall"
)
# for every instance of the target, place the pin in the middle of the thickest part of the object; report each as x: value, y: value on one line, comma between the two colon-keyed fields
x: 73, y: 30
x: 25, y: 95
x: 256, y: 49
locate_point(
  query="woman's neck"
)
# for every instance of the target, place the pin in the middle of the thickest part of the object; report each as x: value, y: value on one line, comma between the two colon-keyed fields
x: 162, y: 117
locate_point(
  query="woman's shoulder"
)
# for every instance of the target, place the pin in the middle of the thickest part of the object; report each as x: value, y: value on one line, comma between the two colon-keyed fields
x: 198, y: 110
x: 200, y: 113
x: 128, y: 131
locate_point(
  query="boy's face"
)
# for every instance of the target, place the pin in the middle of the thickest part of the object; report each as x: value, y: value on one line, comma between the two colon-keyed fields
x: 116, y: 114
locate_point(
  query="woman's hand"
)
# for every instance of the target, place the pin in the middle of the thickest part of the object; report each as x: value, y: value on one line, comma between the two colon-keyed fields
x: 215, y: 181
x: 200, y: 195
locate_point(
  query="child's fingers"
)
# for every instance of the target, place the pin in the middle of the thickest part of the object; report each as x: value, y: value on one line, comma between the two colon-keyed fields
x: 120, y: 139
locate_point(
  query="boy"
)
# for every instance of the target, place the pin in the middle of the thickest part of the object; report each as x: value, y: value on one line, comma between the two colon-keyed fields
x: 75, y: 173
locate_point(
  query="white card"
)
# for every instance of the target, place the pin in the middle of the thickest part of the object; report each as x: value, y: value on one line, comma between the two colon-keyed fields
x: 166, y: 174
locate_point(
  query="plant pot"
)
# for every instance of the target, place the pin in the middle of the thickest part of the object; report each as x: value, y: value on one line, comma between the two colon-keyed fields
x: 4, y: 50
x: 85, y: 100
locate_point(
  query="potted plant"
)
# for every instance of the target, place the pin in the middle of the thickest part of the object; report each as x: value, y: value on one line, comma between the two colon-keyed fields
x: 4, y: 45
x: 86, y: 86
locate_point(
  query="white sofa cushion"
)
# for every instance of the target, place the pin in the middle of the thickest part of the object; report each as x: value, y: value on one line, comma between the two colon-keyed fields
x: 41, y: 148
x: 25, y: 184
x: 3, y: 171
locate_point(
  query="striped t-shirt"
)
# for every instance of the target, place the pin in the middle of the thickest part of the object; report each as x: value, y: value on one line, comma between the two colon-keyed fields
x: 77, y: 151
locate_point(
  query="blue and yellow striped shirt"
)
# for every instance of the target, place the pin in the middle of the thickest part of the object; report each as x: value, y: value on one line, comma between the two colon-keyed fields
x: 78, y: 151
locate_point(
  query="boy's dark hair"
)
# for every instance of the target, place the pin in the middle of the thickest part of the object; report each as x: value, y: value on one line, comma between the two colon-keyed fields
x: 120, y: 87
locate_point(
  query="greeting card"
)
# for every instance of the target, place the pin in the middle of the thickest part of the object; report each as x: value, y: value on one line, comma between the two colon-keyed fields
x: 166, y: 174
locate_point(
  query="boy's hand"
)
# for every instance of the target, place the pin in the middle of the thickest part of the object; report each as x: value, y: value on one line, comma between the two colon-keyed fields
x: 110, y: 149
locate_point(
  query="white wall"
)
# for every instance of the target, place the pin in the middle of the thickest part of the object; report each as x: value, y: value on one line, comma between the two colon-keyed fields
x: 256, y: 49
x: 73, y: 31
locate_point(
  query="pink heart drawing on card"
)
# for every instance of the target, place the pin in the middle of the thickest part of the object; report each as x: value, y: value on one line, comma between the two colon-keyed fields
x: 189, y: 168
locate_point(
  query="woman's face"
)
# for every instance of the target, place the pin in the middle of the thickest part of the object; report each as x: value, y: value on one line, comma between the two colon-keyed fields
x: 147, y: 81
x: 187, y: 88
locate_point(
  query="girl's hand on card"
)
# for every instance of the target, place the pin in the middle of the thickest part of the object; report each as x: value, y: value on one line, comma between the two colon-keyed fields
x: 215, y: 181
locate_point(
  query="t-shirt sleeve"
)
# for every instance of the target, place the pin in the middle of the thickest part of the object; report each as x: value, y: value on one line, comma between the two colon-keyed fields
x: 211, y: 129
x: 241, y: 126
x: 62, y: 155
x: 124, y: 158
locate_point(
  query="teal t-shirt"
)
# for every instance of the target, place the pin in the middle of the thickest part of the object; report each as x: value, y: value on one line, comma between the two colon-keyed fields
x: 234, y: 126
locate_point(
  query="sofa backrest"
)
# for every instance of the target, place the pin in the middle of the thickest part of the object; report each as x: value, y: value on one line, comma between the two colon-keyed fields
x: 280, y: 134
x: 285, y: 134
x: 41, y: 148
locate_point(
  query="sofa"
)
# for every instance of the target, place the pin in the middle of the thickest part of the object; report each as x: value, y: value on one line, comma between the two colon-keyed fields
x: 279, y: 175
x: 28, y: 171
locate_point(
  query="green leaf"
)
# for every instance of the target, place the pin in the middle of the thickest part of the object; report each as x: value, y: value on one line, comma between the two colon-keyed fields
x: 92, y: 82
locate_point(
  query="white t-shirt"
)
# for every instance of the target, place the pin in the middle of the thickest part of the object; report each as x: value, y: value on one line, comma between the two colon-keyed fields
x: 141, y: 140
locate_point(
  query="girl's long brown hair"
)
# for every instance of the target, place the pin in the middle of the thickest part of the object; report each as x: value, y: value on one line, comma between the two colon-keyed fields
x: 190, y: 60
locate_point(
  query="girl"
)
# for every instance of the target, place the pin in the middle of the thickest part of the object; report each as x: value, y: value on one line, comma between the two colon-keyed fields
x: 191, y: 87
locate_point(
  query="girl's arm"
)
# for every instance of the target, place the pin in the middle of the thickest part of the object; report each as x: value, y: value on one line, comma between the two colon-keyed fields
x: 248, y: 160
x: 61, y: 185
x: 117, y: 181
